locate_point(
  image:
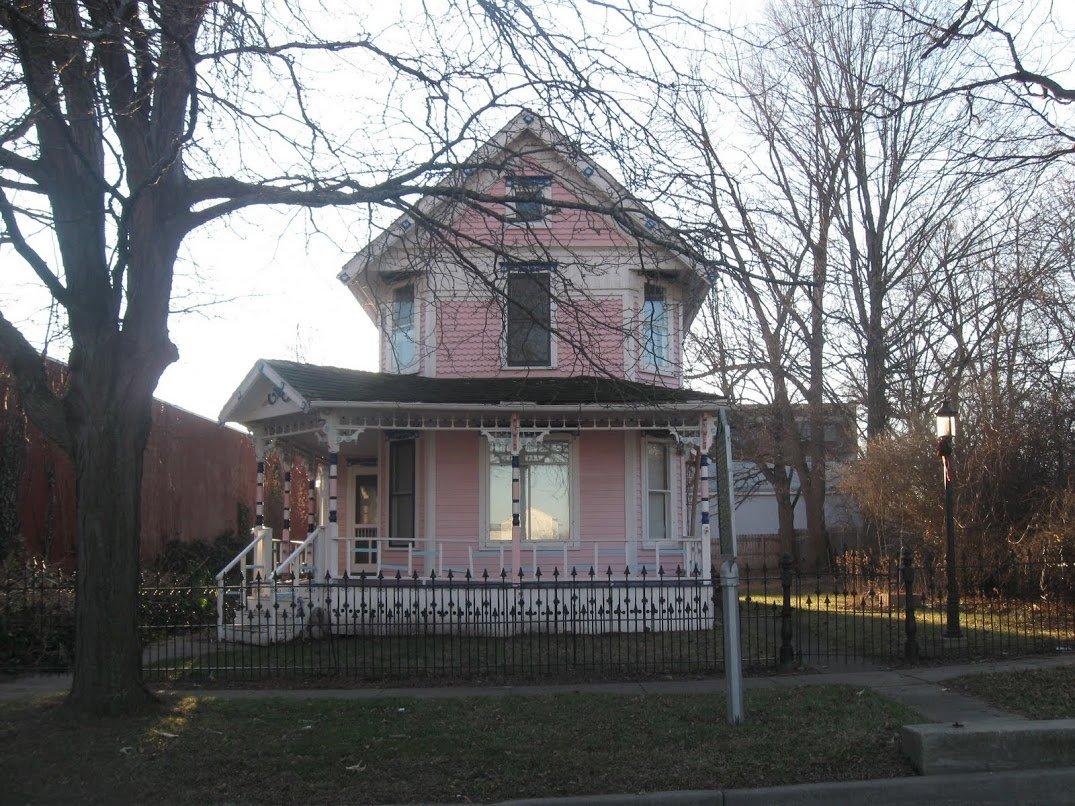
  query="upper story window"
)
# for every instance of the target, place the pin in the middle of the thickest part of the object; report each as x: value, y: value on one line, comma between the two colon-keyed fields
x: 655, y: 346
x: 530, y: 193
x: 403, y: 329
x: 528, y: 334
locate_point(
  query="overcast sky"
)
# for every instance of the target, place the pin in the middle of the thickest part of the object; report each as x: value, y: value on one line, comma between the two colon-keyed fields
x: 275, y: 289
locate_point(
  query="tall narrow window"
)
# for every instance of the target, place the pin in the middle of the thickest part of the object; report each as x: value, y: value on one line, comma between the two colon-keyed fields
x: 529, y: 340
x: 658, y: 491
x: 654, y: 329
x: 402, y: 333
x: 545, y: 503
x: 401, y: 492
x: 529, y: 193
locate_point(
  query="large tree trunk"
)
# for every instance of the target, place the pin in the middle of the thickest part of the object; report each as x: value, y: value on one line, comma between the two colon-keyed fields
x: 109, y: 408
x: 108, y: 449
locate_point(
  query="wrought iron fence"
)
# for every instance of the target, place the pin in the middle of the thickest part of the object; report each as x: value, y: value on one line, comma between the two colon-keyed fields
x: 874, y: 610
x: 553, y: 626
x: 541, y: 626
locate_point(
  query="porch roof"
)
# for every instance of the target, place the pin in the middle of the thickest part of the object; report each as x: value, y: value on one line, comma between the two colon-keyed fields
x: 322, y: 385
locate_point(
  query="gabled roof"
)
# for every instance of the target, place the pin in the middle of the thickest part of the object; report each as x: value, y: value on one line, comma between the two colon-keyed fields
x: 601, y: 182
x: 309, y: 386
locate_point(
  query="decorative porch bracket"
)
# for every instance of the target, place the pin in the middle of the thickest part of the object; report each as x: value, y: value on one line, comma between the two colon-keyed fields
x: 500, y: 438
x: 328, y: 555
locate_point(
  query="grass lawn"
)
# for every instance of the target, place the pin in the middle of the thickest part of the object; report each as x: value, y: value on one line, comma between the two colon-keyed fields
x: 399, y: 659
x: 200, y: 749
x: 835, y: 626
x: 1038, y: 694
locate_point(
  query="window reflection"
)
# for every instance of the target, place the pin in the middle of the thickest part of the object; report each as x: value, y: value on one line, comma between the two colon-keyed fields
x: 545, y: 503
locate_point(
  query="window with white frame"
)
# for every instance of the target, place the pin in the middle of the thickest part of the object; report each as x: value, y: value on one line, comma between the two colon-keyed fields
x: 658, y: 485
x: 528, y: 333
x: 403, y: 329
x: 655, y: 346
x: 401, y: 486
x: 545, y: 494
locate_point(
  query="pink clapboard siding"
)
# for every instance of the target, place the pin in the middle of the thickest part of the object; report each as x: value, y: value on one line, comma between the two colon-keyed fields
x: 457, y: 461
x: 589, y: 339
x: 602, y: 516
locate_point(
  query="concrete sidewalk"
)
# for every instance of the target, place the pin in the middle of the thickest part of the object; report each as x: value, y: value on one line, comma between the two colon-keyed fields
x: 921, y: 688
x: 918, y: 688
x: 992, y: 789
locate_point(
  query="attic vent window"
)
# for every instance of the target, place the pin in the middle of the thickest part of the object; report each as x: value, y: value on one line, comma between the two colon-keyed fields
x: 529, y: 193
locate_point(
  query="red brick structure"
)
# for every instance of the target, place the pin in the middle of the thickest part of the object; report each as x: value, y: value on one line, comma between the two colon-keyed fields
x: 197, y: 476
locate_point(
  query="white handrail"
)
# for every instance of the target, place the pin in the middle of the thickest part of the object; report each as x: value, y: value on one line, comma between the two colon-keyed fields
x: 309, y: 541
x: 238, y: 557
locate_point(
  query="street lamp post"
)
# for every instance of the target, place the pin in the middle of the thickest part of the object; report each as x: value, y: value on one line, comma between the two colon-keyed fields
x: 946, y: 432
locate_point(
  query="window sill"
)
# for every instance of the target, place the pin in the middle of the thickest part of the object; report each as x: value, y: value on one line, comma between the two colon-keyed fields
x: 541, y: 223
x: 572, y: 544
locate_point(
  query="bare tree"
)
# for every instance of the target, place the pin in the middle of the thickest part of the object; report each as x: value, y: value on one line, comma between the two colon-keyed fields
x: 129, y: 124
x: 1006, y: 53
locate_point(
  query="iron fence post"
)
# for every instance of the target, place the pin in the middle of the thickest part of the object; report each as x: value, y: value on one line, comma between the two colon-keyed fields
x: 787, y: 652
x: 910, y: 646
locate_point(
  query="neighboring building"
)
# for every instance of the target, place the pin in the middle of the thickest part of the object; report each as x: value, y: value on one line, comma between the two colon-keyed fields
x: 756, y: 518
x: 197, y: 482
x: 538, y: 422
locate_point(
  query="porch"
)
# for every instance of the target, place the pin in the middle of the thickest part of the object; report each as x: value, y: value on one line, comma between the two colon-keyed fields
x: 409, y: 496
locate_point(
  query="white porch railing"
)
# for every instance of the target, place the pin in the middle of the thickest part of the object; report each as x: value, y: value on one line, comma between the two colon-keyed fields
x: 469, y: 554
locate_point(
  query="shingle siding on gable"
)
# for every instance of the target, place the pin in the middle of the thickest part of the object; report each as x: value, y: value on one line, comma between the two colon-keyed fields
x: 580, y: 228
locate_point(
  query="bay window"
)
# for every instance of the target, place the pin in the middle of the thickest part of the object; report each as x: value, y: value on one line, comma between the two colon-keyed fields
x: 545, y: 495
x: 655, y: 347
x: 403, y: 330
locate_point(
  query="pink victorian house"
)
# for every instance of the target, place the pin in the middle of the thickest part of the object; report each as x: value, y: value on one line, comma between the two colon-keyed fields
x: 529, y: 412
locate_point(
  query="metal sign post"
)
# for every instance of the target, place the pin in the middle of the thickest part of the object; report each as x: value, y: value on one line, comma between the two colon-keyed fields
x: 733, y: 660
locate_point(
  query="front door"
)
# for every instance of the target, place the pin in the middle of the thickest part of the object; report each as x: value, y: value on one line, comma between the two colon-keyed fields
x: 364, y: 547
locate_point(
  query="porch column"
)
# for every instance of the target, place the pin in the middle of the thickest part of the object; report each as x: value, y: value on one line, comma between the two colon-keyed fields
x: 260, y: 447
x: 332, y: 531
x: 285, y: 532
x: 311, y: 496
x: 516, y: 492
x: 705, y: 431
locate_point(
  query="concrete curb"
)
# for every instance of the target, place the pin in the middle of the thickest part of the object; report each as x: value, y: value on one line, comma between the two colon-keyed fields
x: 990, y: 788
x: 990, y: 746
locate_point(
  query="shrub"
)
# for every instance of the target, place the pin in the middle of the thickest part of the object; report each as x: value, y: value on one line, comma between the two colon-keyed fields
x: 37, y: 615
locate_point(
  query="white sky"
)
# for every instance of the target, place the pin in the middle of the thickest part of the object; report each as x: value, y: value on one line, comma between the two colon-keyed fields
x: 277, y: 290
